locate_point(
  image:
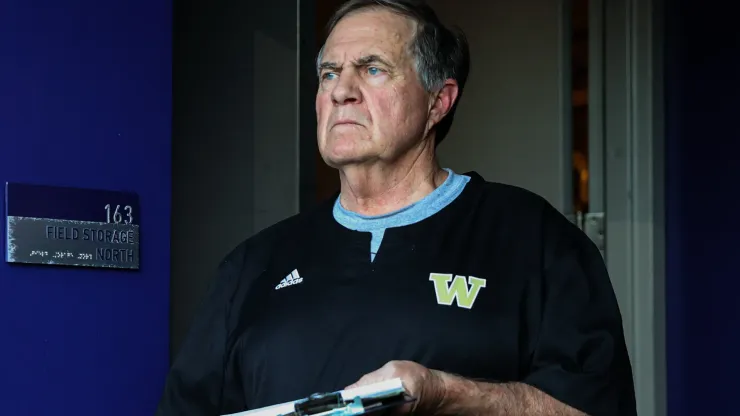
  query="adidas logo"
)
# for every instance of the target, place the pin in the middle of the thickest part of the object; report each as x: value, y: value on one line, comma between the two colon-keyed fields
x: 292, y: 279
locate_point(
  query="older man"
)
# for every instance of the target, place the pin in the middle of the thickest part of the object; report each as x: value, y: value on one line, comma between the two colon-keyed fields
x: 481, y: 297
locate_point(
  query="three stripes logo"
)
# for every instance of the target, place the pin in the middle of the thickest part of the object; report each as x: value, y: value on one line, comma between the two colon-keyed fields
x: 292, y: 279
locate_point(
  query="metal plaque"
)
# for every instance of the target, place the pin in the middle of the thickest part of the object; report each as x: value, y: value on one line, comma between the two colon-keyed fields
x: 71, y: 226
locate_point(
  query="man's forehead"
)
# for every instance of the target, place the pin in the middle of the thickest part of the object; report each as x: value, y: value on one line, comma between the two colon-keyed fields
x: 373, y: 32
x: 358, y: 56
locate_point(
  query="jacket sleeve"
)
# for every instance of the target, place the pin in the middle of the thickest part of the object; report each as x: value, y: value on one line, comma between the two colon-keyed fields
x: 195, y: 384
x: 580, y: 356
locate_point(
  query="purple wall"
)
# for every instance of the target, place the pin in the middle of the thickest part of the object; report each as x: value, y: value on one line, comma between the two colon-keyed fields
x: 702, y: 206
x: 85, y: 101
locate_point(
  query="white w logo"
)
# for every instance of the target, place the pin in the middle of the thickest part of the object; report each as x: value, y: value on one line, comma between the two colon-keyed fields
x: 464, y: 292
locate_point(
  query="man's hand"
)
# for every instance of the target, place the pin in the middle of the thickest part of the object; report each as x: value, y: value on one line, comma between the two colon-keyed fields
x: 439, y: 393
x: 425, y: 385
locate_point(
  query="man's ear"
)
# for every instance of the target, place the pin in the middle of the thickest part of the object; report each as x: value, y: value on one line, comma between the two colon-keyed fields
x: 443, y: 102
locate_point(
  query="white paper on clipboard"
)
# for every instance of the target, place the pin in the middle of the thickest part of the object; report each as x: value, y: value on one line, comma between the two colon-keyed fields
x: 388, y: 388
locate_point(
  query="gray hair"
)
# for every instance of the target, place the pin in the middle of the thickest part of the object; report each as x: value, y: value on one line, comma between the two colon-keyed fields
x: 440, y: 53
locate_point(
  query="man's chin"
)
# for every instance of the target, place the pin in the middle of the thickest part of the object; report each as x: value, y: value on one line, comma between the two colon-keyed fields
x: 348, y: 160
x: 340, y: 152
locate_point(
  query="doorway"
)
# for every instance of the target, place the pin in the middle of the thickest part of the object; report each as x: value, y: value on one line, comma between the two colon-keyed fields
x: 569, y: 112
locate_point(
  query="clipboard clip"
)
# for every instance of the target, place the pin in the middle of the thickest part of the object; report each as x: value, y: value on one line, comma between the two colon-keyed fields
x: 335, y: 404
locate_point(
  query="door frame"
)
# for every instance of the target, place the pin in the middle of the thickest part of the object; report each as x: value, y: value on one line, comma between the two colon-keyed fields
x: 635, y: 214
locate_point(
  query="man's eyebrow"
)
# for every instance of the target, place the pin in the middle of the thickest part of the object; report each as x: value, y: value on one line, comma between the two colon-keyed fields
x: 371, y: 59
x: 363, y: 61
x: 329, y: 65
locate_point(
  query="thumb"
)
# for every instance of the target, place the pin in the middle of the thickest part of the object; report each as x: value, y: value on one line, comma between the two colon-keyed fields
x: 364, y: 381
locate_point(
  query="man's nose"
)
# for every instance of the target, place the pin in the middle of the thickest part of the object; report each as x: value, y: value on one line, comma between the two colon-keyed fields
x: 346, y: 90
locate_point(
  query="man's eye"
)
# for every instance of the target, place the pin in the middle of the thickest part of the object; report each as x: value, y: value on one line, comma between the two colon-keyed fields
x: 373, y: 70
x: 329, y: 75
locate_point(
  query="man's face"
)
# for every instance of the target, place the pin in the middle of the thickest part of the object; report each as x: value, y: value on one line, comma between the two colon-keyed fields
x: 370, y: 104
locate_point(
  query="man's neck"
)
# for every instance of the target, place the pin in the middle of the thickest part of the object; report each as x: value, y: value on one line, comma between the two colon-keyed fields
x: 378, y: 190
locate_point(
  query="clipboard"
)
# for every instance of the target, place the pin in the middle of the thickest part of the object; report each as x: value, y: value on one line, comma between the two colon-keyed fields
x: 357, y: 401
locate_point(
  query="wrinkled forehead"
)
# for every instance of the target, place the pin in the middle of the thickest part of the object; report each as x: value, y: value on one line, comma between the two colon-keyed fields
x: 370, y: 32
